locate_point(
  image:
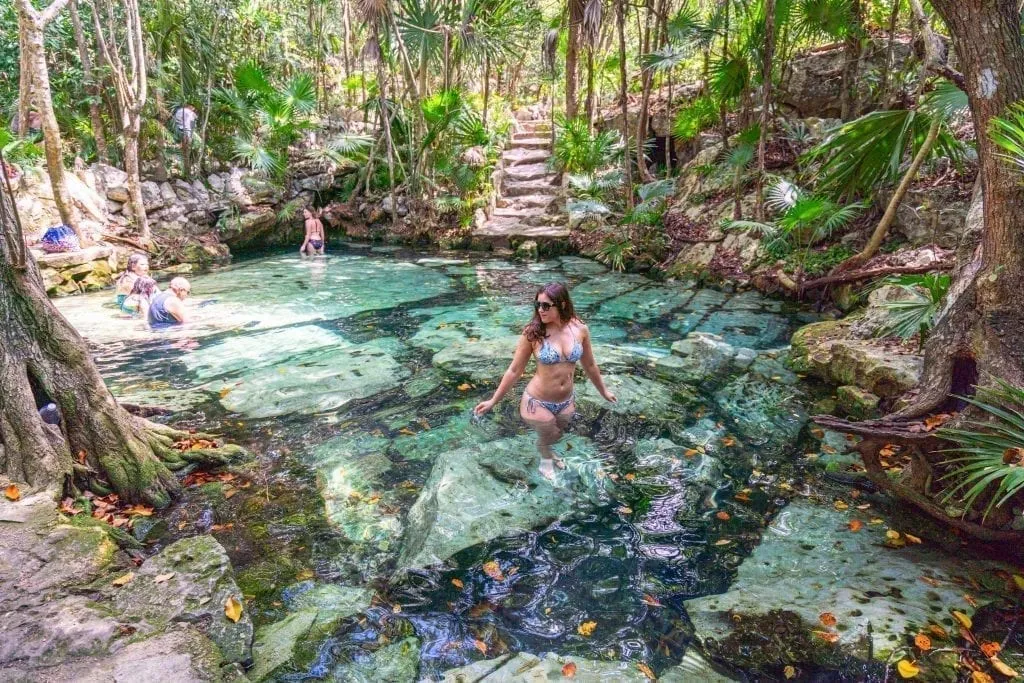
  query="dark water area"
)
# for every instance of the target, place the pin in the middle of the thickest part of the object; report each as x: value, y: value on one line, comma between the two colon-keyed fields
x: 351, y: 378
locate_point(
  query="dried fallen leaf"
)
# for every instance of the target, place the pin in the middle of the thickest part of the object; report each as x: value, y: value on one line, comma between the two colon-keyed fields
x: 818, y: 433
x: 1018, y: 581
x: 827, y: 619
x: 990, y: 648
x: 1013, y: 456
x: 142, y: 510
x: 743, y: 496
x: 724, y: 541
x: 12, y: 492
x: 963, y: 619
x: 493, y: 570
x: 465, y: 386
x: 970, y: 600
x: 625, y: 510
x: 586, y: 628
x: 569, y: 670
x: 690, y: 452
x: 650, y: 600
x: 789, y: 672
x: 842, y: 505
x: 161, y: 578
x: 827, y: 636
x: 980, y: 677
x: 630, y: 476
x: 728, y: 441
x: 67, y: 506
x: 457, y: 583
x: 723, y: 515
x: 856, y: 525
x: 923, y: 642
x: 933, y: 421
x: 1000, y: 666
x: 233, y: 608
x: 224, y: 392
x: 646, y: 671
x: 907, y: 668
x: 480, y: 645
x: 938, y: 631
x: 124, y: 579
x: 912, y: 539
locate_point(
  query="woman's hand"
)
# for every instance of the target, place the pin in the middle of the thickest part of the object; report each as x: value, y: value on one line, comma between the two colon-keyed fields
x: 609, y: 396
x: 483, y: 407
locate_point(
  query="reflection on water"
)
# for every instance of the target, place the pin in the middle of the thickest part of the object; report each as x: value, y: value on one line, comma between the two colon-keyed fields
x: 351, y: 378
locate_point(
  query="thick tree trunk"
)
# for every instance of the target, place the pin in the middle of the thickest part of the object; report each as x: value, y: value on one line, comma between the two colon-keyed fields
x: 31, y: 25
x: 134, y: 182
x: 983, y: 322
x: 620, y: 18
x: 90, y: 84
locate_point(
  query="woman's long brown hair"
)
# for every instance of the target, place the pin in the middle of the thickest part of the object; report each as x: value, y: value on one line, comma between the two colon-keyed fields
x: 559, y: 294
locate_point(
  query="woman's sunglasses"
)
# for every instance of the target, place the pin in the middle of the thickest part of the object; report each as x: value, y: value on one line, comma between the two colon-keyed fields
x: 542, y: 306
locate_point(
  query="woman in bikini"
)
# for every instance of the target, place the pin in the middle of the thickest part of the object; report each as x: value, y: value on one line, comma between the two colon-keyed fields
x: 314, y: 242
x: 559, y: 340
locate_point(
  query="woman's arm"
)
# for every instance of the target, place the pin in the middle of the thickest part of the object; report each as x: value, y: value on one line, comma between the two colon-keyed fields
x: 590, y: 366
x: 306, y: 240
x: 515, y: 370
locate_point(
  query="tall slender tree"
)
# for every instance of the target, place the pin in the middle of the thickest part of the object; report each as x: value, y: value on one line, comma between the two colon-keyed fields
x: 31, y: 25
x: 767, y: 67
x: 91, y: 84
x: 620, y: 20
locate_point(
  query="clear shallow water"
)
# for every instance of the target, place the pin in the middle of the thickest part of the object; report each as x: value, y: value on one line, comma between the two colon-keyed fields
x: 351, y: 378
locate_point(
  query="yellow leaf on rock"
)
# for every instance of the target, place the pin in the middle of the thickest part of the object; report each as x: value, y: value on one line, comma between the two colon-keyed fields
x: 569, y: 670
x: 789, y: 672
x: 907, y: 668
x: 465, y: 386
x: 1018, y: 581
x: 911, y: 538
x: 586, y: 628
x: 233, y: 608
x: 12, y: 492
x: 690, y: 452
x: 457, y: 583
x: 980, y: 677
x: 963, y: 619
x: 224, y: 392
x: 841, y: 505
x: 124, y: 579
x: 493, y: 570
x: 646, y: 671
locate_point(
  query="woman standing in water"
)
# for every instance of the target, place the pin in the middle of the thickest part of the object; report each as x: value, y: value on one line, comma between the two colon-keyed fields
x: 558, y: 339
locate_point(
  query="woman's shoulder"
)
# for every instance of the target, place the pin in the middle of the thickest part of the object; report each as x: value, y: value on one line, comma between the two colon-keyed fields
x: 580, y: 326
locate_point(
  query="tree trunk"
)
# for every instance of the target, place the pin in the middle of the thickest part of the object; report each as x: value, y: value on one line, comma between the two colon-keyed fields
x: 90, y: 84
x: 572, y: 49
x: 620, y: 18
x: 766, y: 101
x: 982, y: 322
x: 31, y: 25
x: 647, y: 80
x: 882, y: 229
x: 889, y: 52
x: 487, y: 85
x: 590, y: 88
x: 24, y: 85
x: 847, y: 103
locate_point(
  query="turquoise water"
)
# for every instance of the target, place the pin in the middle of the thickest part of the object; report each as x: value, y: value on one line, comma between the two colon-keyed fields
x: 351, y: 378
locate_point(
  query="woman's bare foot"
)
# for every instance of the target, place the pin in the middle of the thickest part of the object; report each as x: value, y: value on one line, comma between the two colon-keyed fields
x: 547, y: 468
x: 559, y: 463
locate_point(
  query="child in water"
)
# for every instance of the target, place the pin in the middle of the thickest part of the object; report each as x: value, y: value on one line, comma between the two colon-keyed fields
x: 136, y: 304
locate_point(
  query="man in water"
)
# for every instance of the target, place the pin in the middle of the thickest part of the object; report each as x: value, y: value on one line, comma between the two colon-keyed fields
x: 168, y: 308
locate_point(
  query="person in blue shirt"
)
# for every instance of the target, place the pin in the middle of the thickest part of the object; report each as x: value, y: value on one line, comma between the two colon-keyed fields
x: 168, y: 308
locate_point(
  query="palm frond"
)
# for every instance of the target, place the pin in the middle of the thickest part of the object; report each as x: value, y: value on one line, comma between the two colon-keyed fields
x: 754, y: 228
x: 782, y: 196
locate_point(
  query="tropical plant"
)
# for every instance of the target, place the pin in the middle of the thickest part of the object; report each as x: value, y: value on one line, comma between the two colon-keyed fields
x: 578, y: 150
x: 20, y: 150
x: 991, y: 461
x: 1008, y: 134
x: 653, y: 202
x: 916, y: 313
x: 614, y: 251
x: 701, y: 114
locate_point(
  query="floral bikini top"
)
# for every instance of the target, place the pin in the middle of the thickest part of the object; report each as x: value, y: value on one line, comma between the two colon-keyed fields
x: 549, y: 355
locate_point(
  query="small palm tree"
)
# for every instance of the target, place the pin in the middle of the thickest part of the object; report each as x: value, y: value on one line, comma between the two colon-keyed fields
x: 577, y: 150
x: 916, y: 313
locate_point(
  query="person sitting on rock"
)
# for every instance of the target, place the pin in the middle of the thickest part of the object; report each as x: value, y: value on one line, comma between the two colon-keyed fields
x: 137, y: 303
x: 138, y: 266
x: 314, y: 242
x: 559, y: 339
x: 168, y: 308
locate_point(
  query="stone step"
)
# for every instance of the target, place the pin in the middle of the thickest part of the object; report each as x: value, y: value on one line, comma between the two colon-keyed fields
x: 532, y: 187
x: 528, y: 172
x: 528, y: 201
x: 530, y: 143
x: 519, y: 230
x: 530, y: 219
x: 523, y: 157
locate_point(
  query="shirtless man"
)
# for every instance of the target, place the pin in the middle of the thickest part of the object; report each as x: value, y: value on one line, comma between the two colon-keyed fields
x: 314, y: 242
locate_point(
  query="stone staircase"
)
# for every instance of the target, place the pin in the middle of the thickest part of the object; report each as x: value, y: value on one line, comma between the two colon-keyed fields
x: 530, y: 205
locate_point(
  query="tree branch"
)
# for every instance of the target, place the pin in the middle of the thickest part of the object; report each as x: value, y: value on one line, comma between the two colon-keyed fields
x: 51, y: 11
x: 859, y: 275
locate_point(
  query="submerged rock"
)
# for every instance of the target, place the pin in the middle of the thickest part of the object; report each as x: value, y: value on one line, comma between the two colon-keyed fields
x: 398, y: 663
x: 480, y: 492
x: 201, y: 580
x: 769, y: 416
x: 810, y: 562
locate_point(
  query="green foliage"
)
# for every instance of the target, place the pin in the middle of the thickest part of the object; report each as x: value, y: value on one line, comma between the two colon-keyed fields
x: 829, y: 19
x: 991, y: 451
x: 653, y: 202
x: 597, y: 187
x: 700, y: 115
x: 821, y: 261
x: 1007, y: 132
x: 26, y: 151
x: 614, y: 252
x: 577, y: 150
x: 916, y: 314
x: 743, y: 149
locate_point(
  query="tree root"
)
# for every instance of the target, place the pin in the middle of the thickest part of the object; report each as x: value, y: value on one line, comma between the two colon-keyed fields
x: 162, y: 440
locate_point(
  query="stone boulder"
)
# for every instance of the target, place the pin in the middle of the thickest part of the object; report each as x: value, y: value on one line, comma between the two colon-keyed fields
x: 933, y: 216
x: 113, y: 182
x: 79, y: 271
x: 246, y: 228
x: 201, y: 581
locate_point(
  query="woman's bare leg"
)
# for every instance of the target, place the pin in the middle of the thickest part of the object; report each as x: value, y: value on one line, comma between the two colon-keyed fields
x: 548, y: 433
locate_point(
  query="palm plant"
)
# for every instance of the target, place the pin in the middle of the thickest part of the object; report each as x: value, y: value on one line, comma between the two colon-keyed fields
x: 916, y: 313
x: 1008, y: 133
x: 578, y: 150
x: 991, y: 461
x: 653, y: 202
x: 614, y: 252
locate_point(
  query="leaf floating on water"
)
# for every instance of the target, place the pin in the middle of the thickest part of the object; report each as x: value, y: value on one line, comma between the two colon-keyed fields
x: 493, y: 570
x: 457, y: 583
x: 923, y: 642
x: 990, y: 648
x: 1000, y: 666
x: 124, y: 579
x: 980, y: 677
x: 856, y: 525
x: 724, y: 541
x: 586, y: 628
x: 963, y: 619
x: 569, y: 670
x: 938, y: 631
x: 907, y: 668
x: 723, y: 515
x: 842, y: 505
x: 12, y: 492
x: 162, y: 578
x: 233, y: 608
x: 912, y: 539
x: 827, y: 636
x: 646, y: 671
x: 789, y: 672
x: 827, y: 619
x: 480, y: 645
x: 465, y: 386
